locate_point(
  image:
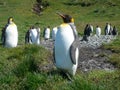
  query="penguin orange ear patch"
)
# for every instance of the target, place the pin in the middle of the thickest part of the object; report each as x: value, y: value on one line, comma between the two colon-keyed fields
x: 72, y: 20
x: 11, y: 19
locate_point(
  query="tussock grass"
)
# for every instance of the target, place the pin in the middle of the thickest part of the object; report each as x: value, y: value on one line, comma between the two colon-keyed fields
x: 115, y: 59
x: 105, y: 80
x: 115, y: 48
x: 21, y: 65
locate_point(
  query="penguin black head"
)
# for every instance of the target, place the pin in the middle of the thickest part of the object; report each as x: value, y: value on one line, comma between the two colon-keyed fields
x: 10, y: 19
x: 66, y: 18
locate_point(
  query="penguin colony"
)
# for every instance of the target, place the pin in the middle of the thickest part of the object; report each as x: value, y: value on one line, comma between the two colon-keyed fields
x: 108, y: 30
x: 65, y: 37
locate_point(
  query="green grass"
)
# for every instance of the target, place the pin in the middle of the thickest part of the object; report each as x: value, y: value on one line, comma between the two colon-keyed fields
x: 21, y: 68
x: 115, y: 48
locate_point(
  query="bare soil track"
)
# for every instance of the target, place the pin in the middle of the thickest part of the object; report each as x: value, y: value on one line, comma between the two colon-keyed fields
x: 89, y: 58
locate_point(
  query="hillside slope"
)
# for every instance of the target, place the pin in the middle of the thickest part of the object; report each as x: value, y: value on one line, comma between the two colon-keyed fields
x: 96, y: 12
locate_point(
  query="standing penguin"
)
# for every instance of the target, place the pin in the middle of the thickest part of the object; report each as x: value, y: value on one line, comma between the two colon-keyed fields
x: 98, y: 31
x: 87, y: 30
x: 10, y: 34
x: 114, y: 31
x: 66, y: 50
x: 54, y: 32
x: 33, y: 36
x: 107, y: 29
x: 47, y: 33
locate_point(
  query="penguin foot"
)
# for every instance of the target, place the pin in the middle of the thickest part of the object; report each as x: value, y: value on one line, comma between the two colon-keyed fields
x: 69, y: 77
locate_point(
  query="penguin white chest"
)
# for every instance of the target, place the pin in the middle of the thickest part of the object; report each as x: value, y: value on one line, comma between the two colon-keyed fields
x: 34, y: 35
x: 98, y: 31
x: 64, y: 39
x: 11, y: 36
x: 108, y: 29
x: 54, y: 32
x: 47, y: 33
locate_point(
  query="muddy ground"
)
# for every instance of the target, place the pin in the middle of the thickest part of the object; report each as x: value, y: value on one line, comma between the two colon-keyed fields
x: 94, y: 59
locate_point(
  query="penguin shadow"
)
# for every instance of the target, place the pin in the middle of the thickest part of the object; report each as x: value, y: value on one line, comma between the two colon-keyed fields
x: 62, y: 73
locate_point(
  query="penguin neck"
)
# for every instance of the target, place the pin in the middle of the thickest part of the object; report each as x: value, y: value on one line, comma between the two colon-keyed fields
x: 64, y: 24
x: 67, y: 23
x: 11, y: 22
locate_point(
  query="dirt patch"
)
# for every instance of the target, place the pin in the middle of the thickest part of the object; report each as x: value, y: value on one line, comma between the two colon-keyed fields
x: 89, y: 58
x: 92, y: 59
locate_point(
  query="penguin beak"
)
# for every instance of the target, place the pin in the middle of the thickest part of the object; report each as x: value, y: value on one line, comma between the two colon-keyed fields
x: 60, y: 14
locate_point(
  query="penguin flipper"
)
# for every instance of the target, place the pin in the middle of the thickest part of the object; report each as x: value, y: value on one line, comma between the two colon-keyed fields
x: 54, y: 55
x: 3, y: 35
x: 73, y: 49
x: 27, y: 37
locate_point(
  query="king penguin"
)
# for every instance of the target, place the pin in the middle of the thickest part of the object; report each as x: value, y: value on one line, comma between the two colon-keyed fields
x: 66, y: 52
x: 33, y: 36
x: 98, y: 31
x: 54, y: 32
x: 10, y: 34
x: 107, y: 29
x: 47, y: 33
